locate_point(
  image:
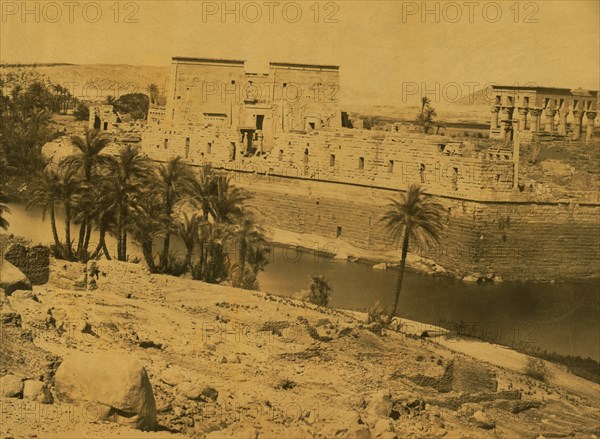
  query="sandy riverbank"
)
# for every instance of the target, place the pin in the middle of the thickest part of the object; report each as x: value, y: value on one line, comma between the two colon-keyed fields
x: 281, y: 368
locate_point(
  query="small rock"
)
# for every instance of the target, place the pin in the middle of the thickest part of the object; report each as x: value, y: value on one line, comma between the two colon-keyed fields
x: 173, y: 376
x: 469, y: 408
x: 24, y: 295
x: 11, y: 386
x: 475, y: 277
x: 233, y: 358
x: 381, y: 266
x: 197, y: 392
x: 383, y: 425
x: 381, y: 404
x: 481, y: 420
x: 359, y: 432
x: 37, y: 391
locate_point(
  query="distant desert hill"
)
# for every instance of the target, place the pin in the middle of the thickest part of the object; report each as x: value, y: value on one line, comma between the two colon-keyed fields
x: 96, y: 81
x: 480, y: 97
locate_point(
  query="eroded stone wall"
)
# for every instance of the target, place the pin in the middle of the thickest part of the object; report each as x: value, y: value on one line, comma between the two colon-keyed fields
x: 516, y: 240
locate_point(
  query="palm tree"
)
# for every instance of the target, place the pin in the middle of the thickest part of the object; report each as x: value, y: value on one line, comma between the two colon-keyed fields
x: 90, y: 148
x: 146, y: 223
x: 104, y: 216
x: 45, y: 193
x: 226, y: 204
x: 248, y: 235
x: 205, y: 188
x: 127, y: 178
x: 89, y: 160
x: 425, y: 101
x: 71, y: 187
x: 153, y: 92
x: 419, y: 219
x: 175, y: 181
x: 187, y: 232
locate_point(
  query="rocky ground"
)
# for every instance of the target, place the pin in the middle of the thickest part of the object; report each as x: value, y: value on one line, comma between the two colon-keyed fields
x: 224, y: 362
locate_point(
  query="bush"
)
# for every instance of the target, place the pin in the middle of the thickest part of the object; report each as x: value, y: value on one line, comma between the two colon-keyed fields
x: 377, y: 314
x: 318, y: 292
x: 536, y: 369
x: 82, y: 112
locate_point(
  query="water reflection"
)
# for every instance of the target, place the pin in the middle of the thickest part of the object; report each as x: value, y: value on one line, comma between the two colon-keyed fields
x: 562, y: 317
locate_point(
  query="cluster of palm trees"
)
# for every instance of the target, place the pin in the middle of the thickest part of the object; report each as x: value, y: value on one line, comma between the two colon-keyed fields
x: 426, y: 118
x: 131, y: 198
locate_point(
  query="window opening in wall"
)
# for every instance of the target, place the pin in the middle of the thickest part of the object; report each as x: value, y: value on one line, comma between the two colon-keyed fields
x: 338, y: 232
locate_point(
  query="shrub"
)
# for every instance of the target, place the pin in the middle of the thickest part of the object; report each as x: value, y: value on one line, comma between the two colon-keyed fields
x: 536, y: 369
x: 318, y: 292
x: 377, y: 314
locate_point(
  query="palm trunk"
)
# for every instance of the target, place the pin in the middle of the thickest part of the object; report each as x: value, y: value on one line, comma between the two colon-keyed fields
x: 119, y: 235
x: 147, y: 251
x: 88, y: 234
x: 68, y: 230
x: 82, y: 228
x: 242, y: 257
x: 101, y: 241
x: 166, y: 245
x: 54, y: 231
x: 400, y: 276
x: 105, y: 250
x: 124, y: 245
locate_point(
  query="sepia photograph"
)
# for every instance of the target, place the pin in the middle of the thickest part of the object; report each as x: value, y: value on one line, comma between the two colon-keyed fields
x: 350, y: 219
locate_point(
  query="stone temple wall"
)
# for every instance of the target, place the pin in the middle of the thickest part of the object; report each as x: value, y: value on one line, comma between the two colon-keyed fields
x: 336, y: 183
x: 518, y: 241
x: 389, y: 160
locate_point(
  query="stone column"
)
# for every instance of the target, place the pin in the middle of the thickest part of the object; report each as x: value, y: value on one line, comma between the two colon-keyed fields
x: 535, y: 114
x: 550, y: 113
x: 507, y: 114
x: 495, y: 110
x: 577, y: 123
x: 523, y: 118
x: 562, y: 115
x: 591, y: 115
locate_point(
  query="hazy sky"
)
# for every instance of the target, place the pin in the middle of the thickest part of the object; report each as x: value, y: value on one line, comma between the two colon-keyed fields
x: 385, y: 48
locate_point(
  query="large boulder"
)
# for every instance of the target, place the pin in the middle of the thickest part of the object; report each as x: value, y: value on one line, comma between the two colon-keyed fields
x: 11, y: 278
x: 116, y: 382
x: 34, y: 262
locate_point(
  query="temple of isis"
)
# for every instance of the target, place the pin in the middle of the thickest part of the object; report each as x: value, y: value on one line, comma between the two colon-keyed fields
x: 282, y: 135
x: 542, y: 112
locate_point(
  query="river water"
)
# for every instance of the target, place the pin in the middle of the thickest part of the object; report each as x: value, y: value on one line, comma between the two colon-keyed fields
x: 561, y: 317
